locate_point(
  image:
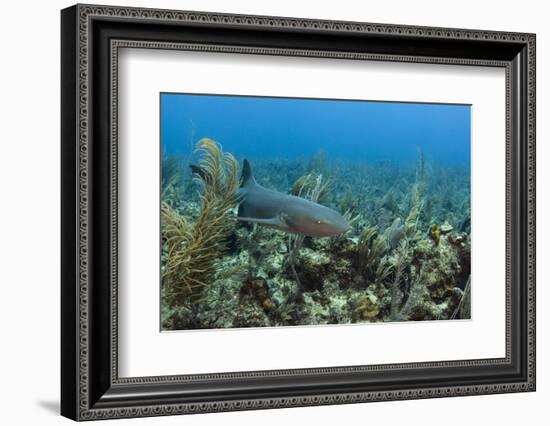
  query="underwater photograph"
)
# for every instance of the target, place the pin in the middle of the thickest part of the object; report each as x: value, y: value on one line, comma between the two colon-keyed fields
x: 299, y: 212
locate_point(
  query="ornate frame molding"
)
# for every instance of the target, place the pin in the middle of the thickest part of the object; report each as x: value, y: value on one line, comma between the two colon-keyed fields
x: 87, y: 407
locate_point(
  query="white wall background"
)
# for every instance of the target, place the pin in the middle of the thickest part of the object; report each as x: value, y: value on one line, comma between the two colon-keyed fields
x: 29, y: 212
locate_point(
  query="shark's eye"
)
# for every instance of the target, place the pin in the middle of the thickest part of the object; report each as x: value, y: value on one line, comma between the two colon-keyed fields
x: 318, y: 222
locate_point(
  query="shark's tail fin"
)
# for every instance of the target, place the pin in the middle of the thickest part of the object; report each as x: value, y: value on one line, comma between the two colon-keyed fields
x: 247, y: 178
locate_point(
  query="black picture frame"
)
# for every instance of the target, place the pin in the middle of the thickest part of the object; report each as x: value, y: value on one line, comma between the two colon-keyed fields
x: 90, y: 386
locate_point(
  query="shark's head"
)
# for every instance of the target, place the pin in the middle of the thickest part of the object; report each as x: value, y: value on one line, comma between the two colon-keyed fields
x: 317, y: 221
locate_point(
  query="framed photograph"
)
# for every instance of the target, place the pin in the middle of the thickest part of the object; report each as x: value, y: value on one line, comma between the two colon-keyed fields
x: 263, y: 212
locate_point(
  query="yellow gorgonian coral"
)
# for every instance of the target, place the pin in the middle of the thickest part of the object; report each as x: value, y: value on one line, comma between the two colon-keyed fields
x: 194, y: 248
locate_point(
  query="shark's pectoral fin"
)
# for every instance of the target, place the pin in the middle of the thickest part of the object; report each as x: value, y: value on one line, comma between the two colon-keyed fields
x: 272, y: 221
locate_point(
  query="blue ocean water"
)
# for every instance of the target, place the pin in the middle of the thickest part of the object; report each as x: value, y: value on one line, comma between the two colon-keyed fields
x: 293, y: 128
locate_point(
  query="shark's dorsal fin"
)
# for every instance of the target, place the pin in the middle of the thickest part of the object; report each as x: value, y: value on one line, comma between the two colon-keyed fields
x: 247, y: 177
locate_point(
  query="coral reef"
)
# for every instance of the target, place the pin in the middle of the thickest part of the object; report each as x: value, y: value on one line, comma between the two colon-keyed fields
x: 405, y: 258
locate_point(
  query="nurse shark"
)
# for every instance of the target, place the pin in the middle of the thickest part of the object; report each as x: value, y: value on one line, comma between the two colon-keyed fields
x: 286, y: 212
